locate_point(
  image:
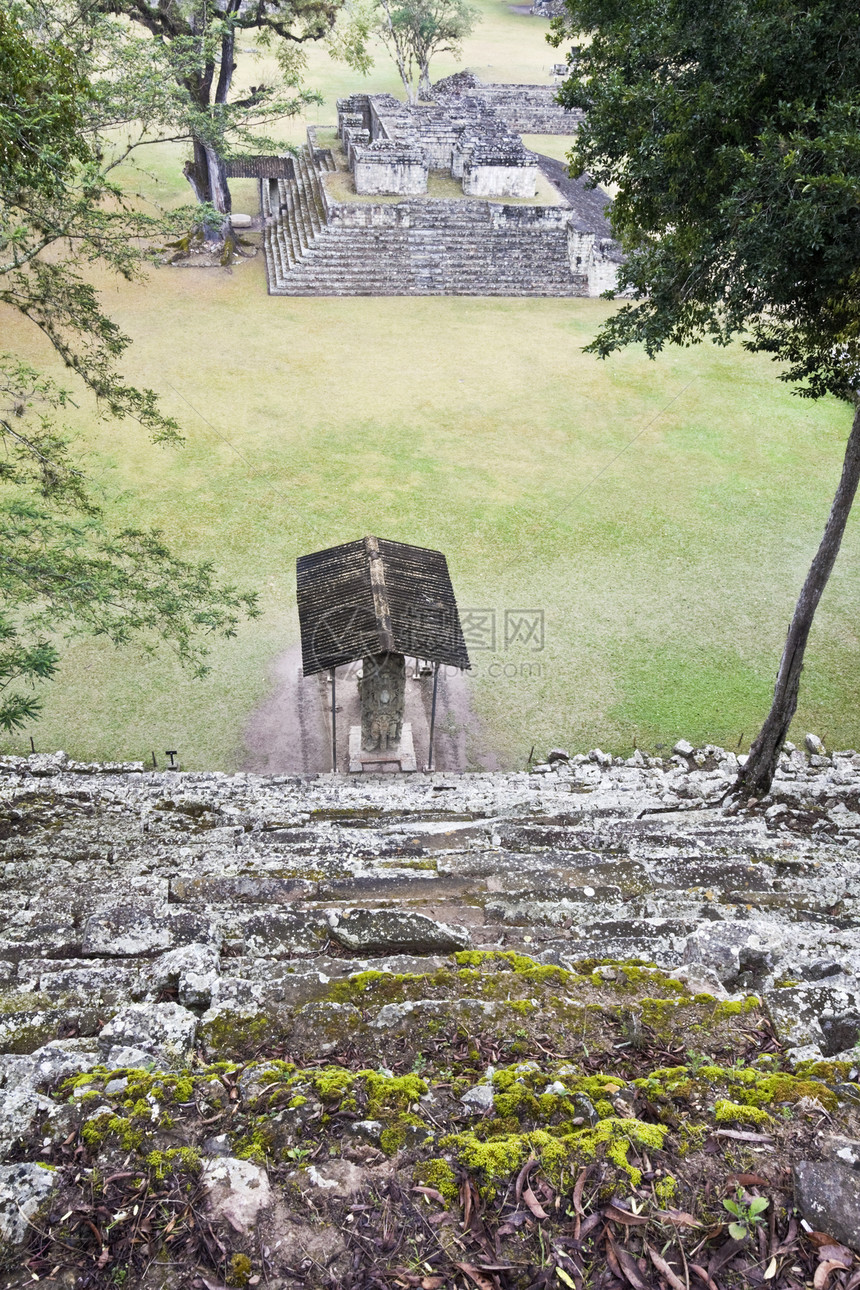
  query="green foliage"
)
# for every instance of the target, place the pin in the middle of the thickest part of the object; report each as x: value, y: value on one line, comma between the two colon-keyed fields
x: 748, y: 1214
x: 733, y: 134
x: 415, y: 30
x: 64, y: 569
x: 180, y: 74
x: 43, y: 111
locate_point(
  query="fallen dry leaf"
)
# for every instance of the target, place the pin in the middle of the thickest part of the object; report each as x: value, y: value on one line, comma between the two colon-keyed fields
x: 724, y: 1255
x: 432, y: 1193
x: 618, y: 1215
x: 741, y: 1135
x: 483, y: 1283
x: 577, y: 1193
x: 824, y: 1271
x: 678, y: 1217
x: 836, y: 1253
x: 533, y: 1203
x: 703, y: 1276
x: 523, y: 1175
x: 665, y: 1271
x: 630, y: 1269
x: 747, y: 1180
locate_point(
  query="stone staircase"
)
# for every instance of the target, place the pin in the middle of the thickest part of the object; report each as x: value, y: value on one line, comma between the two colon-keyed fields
x: 301, y: 1031
x: 444, y: 248
x: 240, y: 896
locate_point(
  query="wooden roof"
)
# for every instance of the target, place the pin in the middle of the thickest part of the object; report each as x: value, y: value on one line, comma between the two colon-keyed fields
x: 374, y: 596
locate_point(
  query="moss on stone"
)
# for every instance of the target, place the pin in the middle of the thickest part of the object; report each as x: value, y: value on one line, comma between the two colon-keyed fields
x: 726, y: 1112
x: 736, y: 1007
x: 391, y: 1092
x: 101, y: 1127
x: 238, y: 1033
x: 439, y: 1174
x: 495, y: 1159
x: 162, y: 1163
x: 332, y: 1083
x: 666, y: 1190
x: 240, y: 1270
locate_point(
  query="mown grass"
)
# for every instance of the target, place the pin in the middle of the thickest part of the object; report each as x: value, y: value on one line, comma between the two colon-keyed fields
x: 660, y: 515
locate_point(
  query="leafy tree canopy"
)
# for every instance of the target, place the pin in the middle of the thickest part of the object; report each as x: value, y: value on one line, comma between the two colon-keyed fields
x: 189, y: 60
x: 415, y: 30
x: 63, y: 567
x: 732, y: 130
x: 40, y: 134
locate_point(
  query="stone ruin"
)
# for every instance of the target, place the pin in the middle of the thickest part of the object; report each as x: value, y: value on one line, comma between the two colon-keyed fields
x: 364, y: 215
x: 391, y: 148
x: 377, y: 600
x: 274, y: 1018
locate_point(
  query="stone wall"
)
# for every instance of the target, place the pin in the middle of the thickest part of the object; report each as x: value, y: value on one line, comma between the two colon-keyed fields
x: 527, y: 109
x: 315, y: 245
x: 389, y: 167
x: 478, y: 245
x: 499, y: 181
x: 262, y: 167
x: 597, y: 257
x: 167, y: 940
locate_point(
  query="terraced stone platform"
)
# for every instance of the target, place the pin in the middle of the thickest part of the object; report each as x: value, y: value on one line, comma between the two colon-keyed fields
x: 316, y: 246
x: 435, y: 1031
x: 235, y: 891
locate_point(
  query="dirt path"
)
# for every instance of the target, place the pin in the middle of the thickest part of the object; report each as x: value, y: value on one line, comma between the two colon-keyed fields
x: 290, y: 732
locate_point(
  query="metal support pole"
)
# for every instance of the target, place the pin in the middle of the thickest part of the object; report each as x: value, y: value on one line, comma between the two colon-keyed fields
x: 433, y: 716
x: 333, y: 726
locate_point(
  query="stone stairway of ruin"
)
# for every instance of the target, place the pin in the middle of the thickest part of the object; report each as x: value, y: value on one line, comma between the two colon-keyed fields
x: 453, y: 252
x: 240, y: 896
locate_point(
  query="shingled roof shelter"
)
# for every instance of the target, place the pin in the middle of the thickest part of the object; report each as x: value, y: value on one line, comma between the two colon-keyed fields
x: 380, y: 600
x: 375, y: 596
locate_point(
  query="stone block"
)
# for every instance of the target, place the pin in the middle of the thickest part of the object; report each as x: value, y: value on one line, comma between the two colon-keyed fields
x: 236, y: 1191
x: 395, y: 931
x: 165, y: 1031
x: 25, y: 1190
x: 828, y: 1197
x: 127, y: 930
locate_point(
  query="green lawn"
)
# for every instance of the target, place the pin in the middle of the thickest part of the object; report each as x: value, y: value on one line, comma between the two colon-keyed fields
x: 660, y: 516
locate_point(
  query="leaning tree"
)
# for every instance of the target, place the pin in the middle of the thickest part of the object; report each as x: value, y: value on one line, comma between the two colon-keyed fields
x: 732, y: 132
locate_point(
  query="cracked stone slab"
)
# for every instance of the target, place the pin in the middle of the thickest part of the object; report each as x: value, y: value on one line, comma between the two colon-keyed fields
x: 25, y: 1190
x: 164, y: 1030
x: 826, y: 1017
x: 244, y: 889
x: 128, y: 930
x: 828, y: 1197
x: 396, y: 931
x: 236, y: 1191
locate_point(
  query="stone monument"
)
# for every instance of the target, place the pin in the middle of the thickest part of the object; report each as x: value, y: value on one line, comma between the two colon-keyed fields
x: 378, y: 601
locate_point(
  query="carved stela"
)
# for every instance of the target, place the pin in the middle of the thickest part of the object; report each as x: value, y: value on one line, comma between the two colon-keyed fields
x: 383, y: 696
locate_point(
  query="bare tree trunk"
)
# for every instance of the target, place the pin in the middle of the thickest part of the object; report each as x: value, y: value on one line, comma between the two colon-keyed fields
x: 197, y: 174
x: 218, y: 185
x: 756, y: 776
x: 219, y: 189
x: 399, y: 53
x: 425, y: 91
